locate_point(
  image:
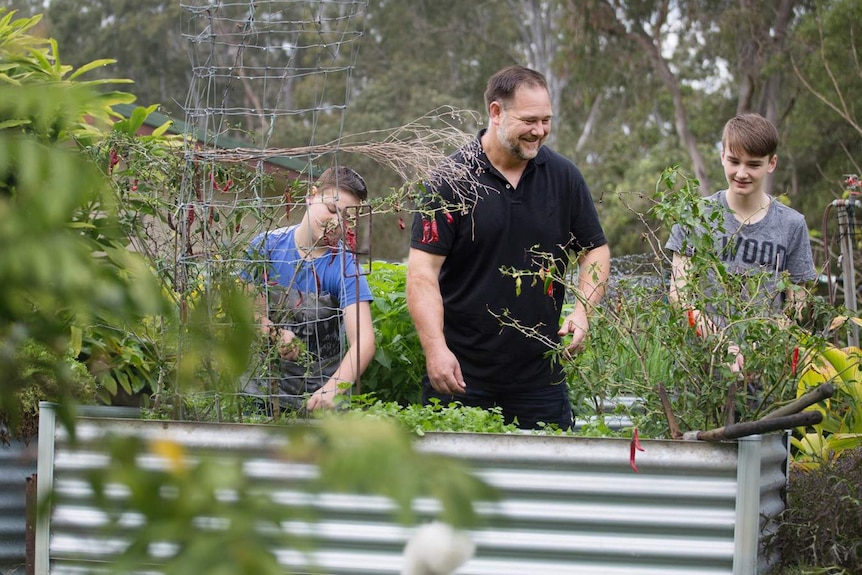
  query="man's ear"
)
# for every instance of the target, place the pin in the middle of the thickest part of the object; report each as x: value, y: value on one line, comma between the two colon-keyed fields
x: 773, y: 162
x: 495, y: 110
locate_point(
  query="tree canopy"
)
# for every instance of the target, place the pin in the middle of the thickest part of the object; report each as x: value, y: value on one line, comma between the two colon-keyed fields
x: 637, y: 86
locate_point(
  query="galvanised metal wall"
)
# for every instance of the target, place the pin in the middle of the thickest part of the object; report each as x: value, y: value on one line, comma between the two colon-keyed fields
x: 17, y: 463
x: 569, y: 505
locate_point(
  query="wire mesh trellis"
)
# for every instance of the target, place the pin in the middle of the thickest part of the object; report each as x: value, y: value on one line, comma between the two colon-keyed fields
x: 264, y: 74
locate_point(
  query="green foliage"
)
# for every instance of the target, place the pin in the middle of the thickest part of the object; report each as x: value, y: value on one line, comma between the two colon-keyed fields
x: 399, y: 363
x: 822, y: 525
x: 639, y: 341
x: 52, y: 276
x: 420, y: 419
x: 841, y: 427
x: 27, y: 60
x: 39, y: 369
x: 209, y: 310
x: 63, y: 260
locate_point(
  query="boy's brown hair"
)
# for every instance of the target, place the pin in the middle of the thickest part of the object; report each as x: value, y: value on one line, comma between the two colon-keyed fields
x: 750, y: 133
x: 343, y: 178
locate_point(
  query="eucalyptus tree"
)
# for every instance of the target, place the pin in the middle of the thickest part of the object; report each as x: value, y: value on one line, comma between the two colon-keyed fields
x: 822, y: 132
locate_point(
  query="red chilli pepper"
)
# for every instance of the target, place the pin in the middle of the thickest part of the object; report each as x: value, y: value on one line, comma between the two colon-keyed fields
x: 113, y: 160
x: 401, y: 224
x: 191, y: 215
x: 551, y: 289
x: 350, y: 239
x: 634, y: 447
x: 693, y: 323
x: 449, y: 218
x: 426, y: 231
x: 794, y: 361
x: 434, y: 236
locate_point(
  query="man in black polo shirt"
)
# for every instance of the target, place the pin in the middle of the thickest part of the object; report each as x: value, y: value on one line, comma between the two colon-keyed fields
x: 506, y: 203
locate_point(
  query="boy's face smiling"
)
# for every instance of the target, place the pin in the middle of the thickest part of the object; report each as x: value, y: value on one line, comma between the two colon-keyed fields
x: 745, y: 174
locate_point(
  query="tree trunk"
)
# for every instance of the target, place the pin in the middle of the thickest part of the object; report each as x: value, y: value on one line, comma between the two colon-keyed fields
x: 538, y: 21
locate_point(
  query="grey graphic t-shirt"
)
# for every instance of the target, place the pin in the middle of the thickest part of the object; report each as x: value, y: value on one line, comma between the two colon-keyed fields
x: 776, y: 244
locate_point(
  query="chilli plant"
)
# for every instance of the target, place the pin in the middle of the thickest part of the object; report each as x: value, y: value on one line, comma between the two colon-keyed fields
x: 647, y: 359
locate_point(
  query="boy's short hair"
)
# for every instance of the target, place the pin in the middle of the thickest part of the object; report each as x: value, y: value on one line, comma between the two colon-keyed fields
x: 343, y: 178
x: 750, y: 133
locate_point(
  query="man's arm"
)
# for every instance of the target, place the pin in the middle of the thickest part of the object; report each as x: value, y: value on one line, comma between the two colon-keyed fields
x: 357, y: 357
x: 594, y: 269
x: 425, y: 304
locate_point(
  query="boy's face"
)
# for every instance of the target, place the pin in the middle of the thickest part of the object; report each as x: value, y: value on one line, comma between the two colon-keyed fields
x: 744, y: 173
x: 329, y: 211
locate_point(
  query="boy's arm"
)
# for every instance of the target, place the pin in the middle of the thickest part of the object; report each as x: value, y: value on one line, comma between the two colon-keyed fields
x: 696, y: 318
x: 677, y: 295
x: 357, y: 357
x: 280, y: 336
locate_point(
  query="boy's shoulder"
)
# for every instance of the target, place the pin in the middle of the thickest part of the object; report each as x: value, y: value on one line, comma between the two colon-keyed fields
x: 785, y: 212
x: 276, y: 235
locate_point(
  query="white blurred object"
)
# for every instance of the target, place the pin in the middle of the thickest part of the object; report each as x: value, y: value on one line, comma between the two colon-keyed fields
x: 437, y: 549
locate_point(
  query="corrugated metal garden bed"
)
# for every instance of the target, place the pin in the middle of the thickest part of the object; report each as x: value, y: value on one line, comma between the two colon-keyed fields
x: 568, y: 504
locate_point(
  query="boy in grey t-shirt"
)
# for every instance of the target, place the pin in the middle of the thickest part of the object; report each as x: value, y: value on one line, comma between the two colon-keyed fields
x: 761, y: 236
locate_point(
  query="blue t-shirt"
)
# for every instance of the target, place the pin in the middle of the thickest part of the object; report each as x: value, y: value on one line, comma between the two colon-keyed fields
x: 277, y: 261
x: 307, y: 297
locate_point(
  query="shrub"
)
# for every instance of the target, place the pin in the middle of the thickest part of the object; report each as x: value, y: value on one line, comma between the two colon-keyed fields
x: 399, y: 363
x: 822, y: 524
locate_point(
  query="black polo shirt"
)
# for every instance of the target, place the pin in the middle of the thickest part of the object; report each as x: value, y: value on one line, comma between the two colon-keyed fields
x: 483, y: 225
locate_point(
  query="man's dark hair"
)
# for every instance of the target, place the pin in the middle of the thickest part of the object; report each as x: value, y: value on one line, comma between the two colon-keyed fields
x: 502, y: 85
x: 343, y: 178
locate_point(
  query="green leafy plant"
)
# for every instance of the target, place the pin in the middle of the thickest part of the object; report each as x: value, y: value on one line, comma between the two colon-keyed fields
x: 63, y: 260
x: 420, y: 419
x: 841, y: 427
x: 640, y: 343
x: 820, y: 532
x: 39, y: 368
x: 30, y: 60
x: 399, y: 362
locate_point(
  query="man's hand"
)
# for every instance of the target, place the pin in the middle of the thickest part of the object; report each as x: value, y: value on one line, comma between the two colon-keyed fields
x: 444, y: 371
x: 575, y: 324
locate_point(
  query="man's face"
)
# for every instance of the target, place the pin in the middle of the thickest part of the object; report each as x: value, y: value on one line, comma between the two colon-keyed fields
x: 523, y: 125
x: 744, y: 173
